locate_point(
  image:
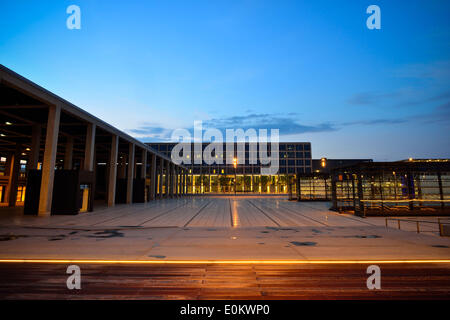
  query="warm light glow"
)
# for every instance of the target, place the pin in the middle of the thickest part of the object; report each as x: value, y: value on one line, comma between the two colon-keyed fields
x: 234, y: 215
x: 234, y: 162
x: 222, y: 261
x: 323, y: 162
x: 8, y: 123
x: 410, y: 159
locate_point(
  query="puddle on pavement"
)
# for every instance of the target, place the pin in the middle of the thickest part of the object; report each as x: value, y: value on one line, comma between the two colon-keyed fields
x: 305, y: 243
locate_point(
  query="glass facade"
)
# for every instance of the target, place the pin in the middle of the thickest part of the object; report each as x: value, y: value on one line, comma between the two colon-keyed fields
x: 395, y: 188
x: 316, y: 186
x: 294, y: 158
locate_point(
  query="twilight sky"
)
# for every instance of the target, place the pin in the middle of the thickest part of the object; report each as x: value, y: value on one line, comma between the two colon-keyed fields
x: 310, y: 68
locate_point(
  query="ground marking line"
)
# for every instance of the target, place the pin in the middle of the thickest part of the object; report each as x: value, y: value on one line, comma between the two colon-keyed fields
x: 195, y: 215
x: 163, y: 213
x: 123, y: 209
x: 262, y: 211
x: 298, y: 213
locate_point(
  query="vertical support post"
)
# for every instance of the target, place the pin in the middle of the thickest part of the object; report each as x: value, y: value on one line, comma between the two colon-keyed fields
x: 175, y: 181
x: 179, y: 181
x: 410, y: 185
x: 161, y: 176
x: 153, y: 178
x: 172, y: 180
x: 166, y: 180
x: 130, y: 173
x: 355, y: 206
x: 89, y: 147
x: 362, y: 207
x: 68, y: 154
x: 14, y: 169
x: 183, y: 189
x: 113, y: 170
x: 334, y: 192
x: 35, y: 147
x: 441, y: 191
x: 144, y: 172
x: 48, y: 165
x: 144, y: 164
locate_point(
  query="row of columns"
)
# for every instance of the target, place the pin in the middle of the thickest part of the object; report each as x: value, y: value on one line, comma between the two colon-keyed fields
x: 166, y: 180
x: 174, y: 175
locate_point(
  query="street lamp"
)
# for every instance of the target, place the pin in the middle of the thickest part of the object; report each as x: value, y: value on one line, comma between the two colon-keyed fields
x: 235, y: 177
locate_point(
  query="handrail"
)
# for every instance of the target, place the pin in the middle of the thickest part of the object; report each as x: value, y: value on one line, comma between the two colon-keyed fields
x: 439, y: 223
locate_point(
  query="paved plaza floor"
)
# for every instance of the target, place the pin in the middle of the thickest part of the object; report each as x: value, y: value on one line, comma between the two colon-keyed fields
x: 214, y: 228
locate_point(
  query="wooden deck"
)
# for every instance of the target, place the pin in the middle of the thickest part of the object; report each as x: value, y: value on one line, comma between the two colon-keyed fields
x: 216, y: 281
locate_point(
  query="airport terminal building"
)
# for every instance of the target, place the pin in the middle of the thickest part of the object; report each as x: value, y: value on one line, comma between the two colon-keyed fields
x: 56, y: 158
x: 245, y: 176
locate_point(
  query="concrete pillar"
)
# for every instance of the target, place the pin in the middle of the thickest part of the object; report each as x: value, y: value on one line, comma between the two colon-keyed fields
x: 68, y: 154
x: 177, y: 181
x: 35, y: 147
x: 14, y: 169
x: 182, y: 182
x: 167, y: 172
x: 172, y: 180
x: 144, y: 172
x: 113, y: 171
x: 144, y: 164
x: 161, y: 173
x: 89, y: 148
x: 48, y: 165
x: 130, y: 174
x: 153, y: 178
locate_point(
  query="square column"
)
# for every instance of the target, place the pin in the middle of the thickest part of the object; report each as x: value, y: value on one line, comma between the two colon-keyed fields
x: 130, y: 173
x: 185, y: 186
x: 14, y: 168
x: 144, y: 171
x: 172, y: 179
x: 144, y: 164
x: 113, y: 171
x: 161, y: 175
x: 167, y: 167
x: 182, y: 182
x: 153, y: 178
x: 48, y: 165
x: 177, y: 182
x: 89, y: 148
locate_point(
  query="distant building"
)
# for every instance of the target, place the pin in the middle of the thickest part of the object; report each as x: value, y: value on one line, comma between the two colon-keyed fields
x: 294, y: 158
x: 325, y: 165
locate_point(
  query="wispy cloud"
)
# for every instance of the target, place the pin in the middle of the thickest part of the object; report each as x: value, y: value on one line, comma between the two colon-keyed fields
x: 151, y: 132
x: 288, y: 124
x: 374, y: 122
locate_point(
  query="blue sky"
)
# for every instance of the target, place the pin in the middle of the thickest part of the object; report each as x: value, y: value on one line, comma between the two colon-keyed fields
x: 310, y: 68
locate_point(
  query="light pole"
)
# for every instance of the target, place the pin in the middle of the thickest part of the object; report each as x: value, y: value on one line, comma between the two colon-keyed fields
x: 235, y: 177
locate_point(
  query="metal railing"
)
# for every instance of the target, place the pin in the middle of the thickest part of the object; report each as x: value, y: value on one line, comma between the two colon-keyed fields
x: 440, y: 224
